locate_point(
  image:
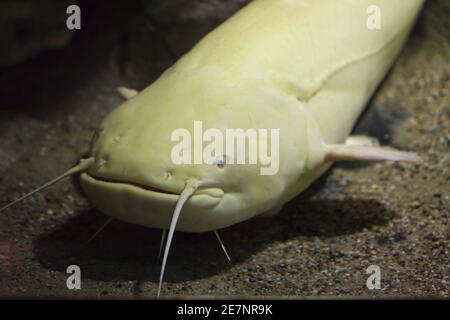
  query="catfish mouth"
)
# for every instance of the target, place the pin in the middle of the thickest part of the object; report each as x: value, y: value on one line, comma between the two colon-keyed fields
x: 219, y: 193
x: 152, y: 207
x: 138, y: 185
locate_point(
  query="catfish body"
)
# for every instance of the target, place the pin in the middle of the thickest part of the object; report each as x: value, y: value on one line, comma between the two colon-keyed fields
x: 306, y: 68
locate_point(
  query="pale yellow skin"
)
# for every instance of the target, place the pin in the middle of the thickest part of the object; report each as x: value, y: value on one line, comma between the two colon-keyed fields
x: 305, y: 67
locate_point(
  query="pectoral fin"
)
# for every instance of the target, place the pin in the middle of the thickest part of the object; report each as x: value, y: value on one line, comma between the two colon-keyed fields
x: 355, y: 152
x: 362, y: 140
x: 127, y: 93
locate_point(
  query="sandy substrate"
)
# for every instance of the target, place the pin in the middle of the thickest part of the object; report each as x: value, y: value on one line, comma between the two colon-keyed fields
x: 394, y: 215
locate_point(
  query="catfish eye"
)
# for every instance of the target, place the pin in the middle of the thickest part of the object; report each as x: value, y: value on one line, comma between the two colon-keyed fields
x: 221, y: 161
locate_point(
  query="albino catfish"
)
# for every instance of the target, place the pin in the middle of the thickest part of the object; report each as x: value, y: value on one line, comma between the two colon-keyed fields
x: 303, y: 69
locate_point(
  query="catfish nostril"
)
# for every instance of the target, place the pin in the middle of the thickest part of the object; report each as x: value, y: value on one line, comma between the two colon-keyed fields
x: 117, y: 138
x: 168, y: 175
x: 97, y: 133
x: 101, y: 163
